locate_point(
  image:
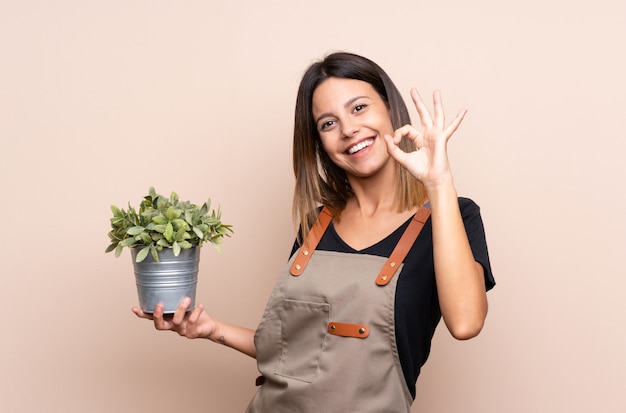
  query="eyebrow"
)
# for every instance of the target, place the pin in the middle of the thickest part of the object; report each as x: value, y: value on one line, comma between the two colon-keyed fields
x: 348, y: 103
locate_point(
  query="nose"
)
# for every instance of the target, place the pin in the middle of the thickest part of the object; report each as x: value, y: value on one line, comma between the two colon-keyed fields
x: 349, y: 127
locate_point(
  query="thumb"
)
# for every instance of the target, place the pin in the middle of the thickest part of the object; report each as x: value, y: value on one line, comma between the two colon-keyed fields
x: 393, y: 149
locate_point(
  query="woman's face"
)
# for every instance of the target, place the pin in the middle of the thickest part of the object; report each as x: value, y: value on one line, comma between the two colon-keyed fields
x: 351, y: 119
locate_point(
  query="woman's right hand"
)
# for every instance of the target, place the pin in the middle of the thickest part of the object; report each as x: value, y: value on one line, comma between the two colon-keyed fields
x: 429, y: 162
x: 191, y: 324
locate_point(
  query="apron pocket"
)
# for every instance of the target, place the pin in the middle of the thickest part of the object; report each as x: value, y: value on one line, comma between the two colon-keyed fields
x: 302, y: 338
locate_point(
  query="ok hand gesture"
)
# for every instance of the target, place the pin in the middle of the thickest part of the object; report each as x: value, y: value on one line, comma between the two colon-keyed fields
x: 429, y: 162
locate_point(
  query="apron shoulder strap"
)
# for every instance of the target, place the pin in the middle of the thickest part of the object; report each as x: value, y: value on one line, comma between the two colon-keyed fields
x: 390, y: 267
x: 309, y: 245
x: 404, y: 245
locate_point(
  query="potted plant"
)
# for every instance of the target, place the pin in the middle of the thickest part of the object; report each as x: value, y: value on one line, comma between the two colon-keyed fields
x: 165, y: 236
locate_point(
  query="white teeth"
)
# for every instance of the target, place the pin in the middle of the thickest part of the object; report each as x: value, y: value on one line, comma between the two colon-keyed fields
x: 361, y: 145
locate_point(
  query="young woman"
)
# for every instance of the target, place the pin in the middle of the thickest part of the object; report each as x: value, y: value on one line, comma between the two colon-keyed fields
x: 386, y: 248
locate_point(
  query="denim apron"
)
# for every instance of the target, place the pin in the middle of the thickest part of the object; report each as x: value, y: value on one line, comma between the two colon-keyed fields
x: 326, y: 341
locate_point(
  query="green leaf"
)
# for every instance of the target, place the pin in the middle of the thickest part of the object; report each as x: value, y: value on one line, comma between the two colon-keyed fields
x: 170, y: 213
x: 128, y: 242
x: 111, y: 247
x: 180, y: 223
x: 114, y: 236
x: 155, y: 253
x: 159, y: 219
x: 116, y: 211
x: 169, y: 231
x: 189, y: 216
x: 118, y: 250
x: 198, y: 232
x: 161, y: 203
x: 163, y: 242
x: 117, y: 221
x: 141, y: 255
x: 174, y: 198
x: 135, y: 230
x: 180, y: 234
x: 176, y: 249
x: 185, y: 245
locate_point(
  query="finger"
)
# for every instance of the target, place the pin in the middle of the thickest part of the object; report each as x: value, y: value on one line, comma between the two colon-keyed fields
x: 139, y: 313
x: 194, y: 316
x: 452, y: 127
x: 392, y: 145
x: 411, y: 133
x: 395, y: 151
x: 438, y: 110
x: 193, y: 327
x: 181, y: 311
x: 406, y: 130
x: 157, y: 316
x: 162, y: 321
x: 422, y: 110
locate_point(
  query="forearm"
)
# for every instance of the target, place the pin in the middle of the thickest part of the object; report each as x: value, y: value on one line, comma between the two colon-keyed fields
x: 460, y: 279
x: 238, y: 338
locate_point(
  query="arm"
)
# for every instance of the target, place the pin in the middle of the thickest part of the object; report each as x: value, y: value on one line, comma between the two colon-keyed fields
x: 460, y: 279
x: 198, y: 324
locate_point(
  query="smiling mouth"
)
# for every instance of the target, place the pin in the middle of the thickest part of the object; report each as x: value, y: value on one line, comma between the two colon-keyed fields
x: 360, y: 146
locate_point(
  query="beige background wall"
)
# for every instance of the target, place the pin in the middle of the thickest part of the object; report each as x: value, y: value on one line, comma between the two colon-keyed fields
x: 99, y: 100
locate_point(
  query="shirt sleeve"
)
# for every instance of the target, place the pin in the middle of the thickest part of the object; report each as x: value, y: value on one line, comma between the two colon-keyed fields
x: 475, y: 230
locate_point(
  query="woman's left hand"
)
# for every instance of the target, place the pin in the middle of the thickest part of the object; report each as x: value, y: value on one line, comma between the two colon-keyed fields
x: 429, y: 162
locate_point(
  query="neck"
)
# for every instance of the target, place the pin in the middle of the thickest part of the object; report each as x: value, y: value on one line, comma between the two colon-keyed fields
x: 375, y: 193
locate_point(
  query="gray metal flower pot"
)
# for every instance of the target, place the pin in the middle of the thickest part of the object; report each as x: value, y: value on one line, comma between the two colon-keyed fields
x: 167, y: 281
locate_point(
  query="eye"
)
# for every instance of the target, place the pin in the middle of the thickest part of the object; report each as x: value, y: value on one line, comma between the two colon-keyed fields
x: 359, y: 108
x: 325, y: 125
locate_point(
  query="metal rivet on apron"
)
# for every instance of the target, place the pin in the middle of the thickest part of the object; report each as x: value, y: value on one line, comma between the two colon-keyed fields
x: 305, y: 252
x: 361, y: 330
x: 332, y: 327
x: 392, y: 264
x: 383, y: 277
x: 298, y: 266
